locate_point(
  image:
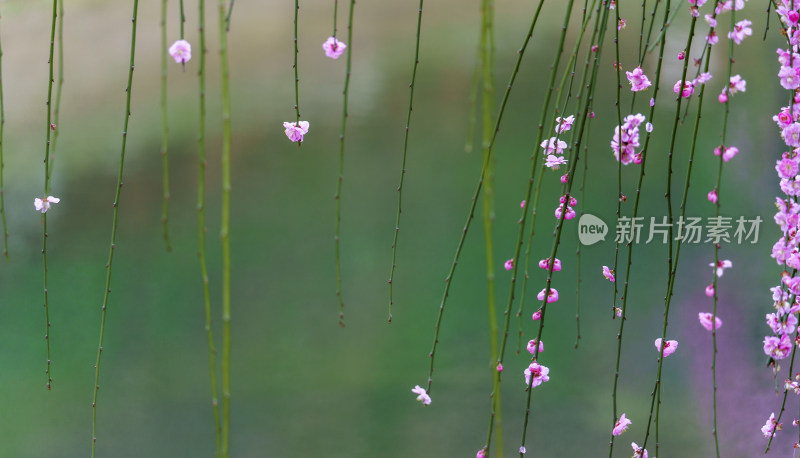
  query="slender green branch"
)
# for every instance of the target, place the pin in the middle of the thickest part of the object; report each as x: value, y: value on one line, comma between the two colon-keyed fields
x: 201, y: 222
x: 673, y: 262
x: 294, y: 66
x: 113, y: 245
x: 335, y: 16
x: 2, y: 164
x: 49, y: 130
x: 228, y: 16
x: 338, y: 195
x: 59, y: 87
x: 472, y: 118
x: 637, y: 200
x: 476, y: 194
x: 664, y: 32
x: 183, y: 18
x: 165, y: 124
x: 224, y: 229
x: 405, y: 154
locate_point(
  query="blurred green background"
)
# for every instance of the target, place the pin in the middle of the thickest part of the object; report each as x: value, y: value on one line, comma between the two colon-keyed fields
x: 303, y: 386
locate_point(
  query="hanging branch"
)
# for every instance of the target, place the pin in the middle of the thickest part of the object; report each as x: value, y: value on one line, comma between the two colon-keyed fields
x: 201, y: 223
x: 165, y: 123
x: 48, y: 129
x: 338, y: 195
x: 107, y: 289
x: 474, y: 200
x: 224, y: 230
x: 405, y: 153
x: 2, y: 165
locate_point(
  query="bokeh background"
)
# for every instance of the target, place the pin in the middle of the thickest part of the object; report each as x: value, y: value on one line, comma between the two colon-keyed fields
x: 303, y: 386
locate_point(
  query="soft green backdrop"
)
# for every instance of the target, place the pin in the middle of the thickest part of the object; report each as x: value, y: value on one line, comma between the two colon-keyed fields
x: 302, y: 386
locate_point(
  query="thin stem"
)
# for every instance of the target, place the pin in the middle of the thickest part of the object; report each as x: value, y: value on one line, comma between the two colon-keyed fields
x: 673, y: 263
x: 294, y: 66
x: 473, y: 101
x: 487, y: 104
x: 165, y: 124
x: 224, y: 229
x: 664, y: 31
x: 403, y: 166
x: 335, y: 15
x: 2, y: 164
x: 476, y: 194
x: 107, y: 289
x: 48, y: 130
x: 59, y: 87
x: 338, y: 195
x: 636, y: 202
x: 228, y: 16
x: 201, y: 222
x: 183, y: 18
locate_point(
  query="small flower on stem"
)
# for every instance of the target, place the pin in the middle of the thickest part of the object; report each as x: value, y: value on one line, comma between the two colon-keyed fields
x: 638, y: 80
x: 621, y: 425
x: 705, y: 320
x: 669, y: 347
x: 771, y: 426
x: 712, y: 196
x: 181, y: 51
x: 552, y: 295
x: 710, y: 290
x: 43, y: 205
x: 333, y: 47
x: 422, y: 395
x: 545, y: 264
x: 296, y: 130
x: 536, y: 374
x: 509, y: 264
x: 609, y: 274
x: 721, y: 266
x: 532, y: 346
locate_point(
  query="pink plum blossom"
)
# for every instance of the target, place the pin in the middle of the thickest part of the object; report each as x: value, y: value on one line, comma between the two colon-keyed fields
x: 712, y: 196
x: 333, y: 47
x: 565, y: 178
x: 545, y: 264
x: 296, y: 130
x: 737, y: 84
x: 609, y: 274
x: 552, y: 295
x: 621, y: 425
x: 554, y: 146
x: 787, y: 168
x: 621, y: 24
x: 43, y: 205
x: 687, y: 88
x: 554, y: 162
x: 710, y: 290
x: 499, y: 367
x: 522, y: 204
x: 181, y: 51
x: 638, y: 452
x: 669, y: 347
x: 481, y: 453
x: 532, y: 346
x: 422, y: 395
x: 537, y: 315
x: 777, y: 347
x: 509, y: 264
x: 706, y: 319
x: 536, y: 374
x: 638, y: 80
x: 740, y: 31
x: 570, y: 212
x: 564, y: 124
x: 771, y: 426
x: 618, y: 311
x: 721, y: 266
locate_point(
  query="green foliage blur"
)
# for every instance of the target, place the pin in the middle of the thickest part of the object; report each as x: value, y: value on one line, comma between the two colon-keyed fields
x: 303, y: 386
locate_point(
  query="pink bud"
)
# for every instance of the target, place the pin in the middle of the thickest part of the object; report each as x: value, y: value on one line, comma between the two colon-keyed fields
x: 522, y: 204
x: 565, y: 178
x: 499, y: 367
x: 509, y: 264
x: 723, y: 97
x: 710, y: 290
x: 537, y: 314
x: 712, y: 196
x: 681, y: 55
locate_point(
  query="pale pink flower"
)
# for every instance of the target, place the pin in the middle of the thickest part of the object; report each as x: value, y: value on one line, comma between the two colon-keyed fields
x: 688, y: 88
x: 771, y: 426
x: 787, y: 168
x: 638, y: 80
x: 564, y: 124
x: 422, y: 395
x: 545, y: 264
x: 620, y: 426
x: 554, y: 162
x: 712, y: 196
x: 553, y: 146
x: 522, y: 450
x: 552, y: 295
x: 333, y: 47
x: 737, y: 84
x: 721, y: 266
x: 712, y: 38
x: 536, y: 374
x: 43, y: 205
x: 777, y: 347
x: 705, y: 320
x: 618, y: 311
x: 621, y: 24
x: 609, y: 274
x: 296, y: 130
x: 702, y: 78
x: 532, y: 346
x: 638, y: 452
x: 181, y: 51
x: 740, y: 31
x: 652, y: 101
x: 727, y: 153
x: 669, y: 347
x: 712, y: 22
x: 648, y: 127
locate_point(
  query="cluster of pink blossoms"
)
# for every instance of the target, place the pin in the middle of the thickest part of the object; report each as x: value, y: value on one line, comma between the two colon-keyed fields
x: 571, y: 202
x: 629, y: 140
x: 783, y: 321
x: 554, y: 147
